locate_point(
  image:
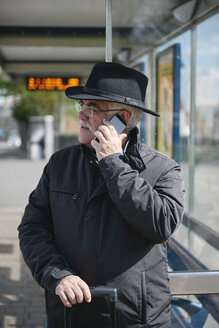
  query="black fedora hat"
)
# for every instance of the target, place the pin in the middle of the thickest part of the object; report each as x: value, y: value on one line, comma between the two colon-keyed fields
x: 116, y: 83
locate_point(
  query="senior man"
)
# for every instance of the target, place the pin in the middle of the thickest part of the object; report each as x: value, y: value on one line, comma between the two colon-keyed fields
x: 103, y: 211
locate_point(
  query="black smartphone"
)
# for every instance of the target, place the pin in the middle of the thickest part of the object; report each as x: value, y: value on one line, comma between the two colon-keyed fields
x: 118, y: 123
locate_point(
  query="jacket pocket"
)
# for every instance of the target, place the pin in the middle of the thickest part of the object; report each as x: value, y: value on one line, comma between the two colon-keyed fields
x: 66, y: 207
x: 143, y: 298
x: 73, y: 193
x: 158, y: 295
x: 65, y: 202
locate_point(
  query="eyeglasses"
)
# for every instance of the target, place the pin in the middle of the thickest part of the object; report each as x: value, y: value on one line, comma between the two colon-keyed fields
x: 89, y: 110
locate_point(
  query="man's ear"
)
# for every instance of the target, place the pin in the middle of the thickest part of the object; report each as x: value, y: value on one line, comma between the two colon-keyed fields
x: 125, y: 115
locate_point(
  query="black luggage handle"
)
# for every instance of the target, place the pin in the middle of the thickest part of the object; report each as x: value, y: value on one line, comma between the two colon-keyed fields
x: 100, y: 291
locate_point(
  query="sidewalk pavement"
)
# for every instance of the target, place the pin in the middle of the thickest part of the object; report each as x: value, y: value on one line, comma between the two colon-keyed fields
x: 21, y: 299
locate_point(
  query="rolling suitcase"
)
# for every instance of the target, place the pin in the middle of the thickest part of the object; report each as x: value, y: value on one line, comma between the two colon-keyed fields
x: 101, y: 291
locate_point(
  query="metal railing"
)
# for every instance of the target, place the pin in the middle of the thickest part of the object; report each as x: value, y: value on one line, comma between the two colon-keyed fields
x: 202, y: 230
x: 191, y: 277
x: 194, y: 282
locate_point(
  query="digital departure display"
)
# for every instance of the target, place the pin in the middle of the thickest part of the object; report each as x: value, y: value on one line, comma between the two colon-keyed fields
x: 52, y: 83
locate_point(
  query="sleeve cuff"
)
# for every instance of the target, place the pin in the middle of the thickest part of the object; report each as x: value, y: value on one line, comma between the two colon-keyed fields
x: 55, y: 277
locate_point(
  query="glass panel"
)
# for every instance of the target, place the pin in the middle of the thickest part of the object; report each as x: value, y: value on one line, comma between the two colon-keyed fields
x: 206, y: 205
x: 206, y: 136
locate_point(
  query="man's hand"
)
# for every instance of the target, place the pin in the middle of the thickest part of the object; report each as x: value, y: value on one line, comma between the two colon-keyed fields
x: 72, y: 290
x: 109, y: 140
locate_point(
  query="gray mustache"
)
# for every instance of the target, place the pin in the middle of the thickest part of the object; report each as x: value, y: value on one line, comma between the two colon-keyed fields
x: 85, y: 124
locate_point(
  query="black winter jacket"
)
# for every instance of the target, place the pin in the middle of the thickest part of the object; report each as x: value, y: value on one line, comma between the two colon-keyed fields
x: 108, y: 223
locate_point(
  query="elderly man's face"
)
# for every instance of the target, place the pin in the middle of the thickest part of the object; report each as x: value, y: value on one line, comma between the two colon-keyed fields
x: 88, y: 125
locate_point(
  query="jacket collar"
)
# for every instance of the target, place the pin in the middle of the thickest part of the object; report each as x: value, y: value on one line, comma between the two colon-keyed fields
x: 90, y: 155
x: 138, y: 155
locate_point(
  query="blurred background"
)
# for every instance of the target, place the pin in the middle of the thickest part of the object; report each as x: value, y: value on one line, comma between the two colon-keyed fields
x: 48, y: 45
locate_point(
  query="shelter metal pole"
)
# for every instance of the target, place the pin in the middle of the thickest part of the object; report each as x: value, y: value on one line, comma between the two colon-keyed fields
x: 108, y: 53
x: 192, y: 133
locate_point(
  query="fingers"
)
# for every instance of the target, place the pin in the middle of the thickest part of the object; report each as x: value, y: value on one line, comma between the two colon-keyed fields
x: 72, y: 290
x: 95, y: 144
x: 122, y: 136
x: 64, y: 299
x: 110, y: 127
x: 110, y: 142
x: 99, y: 136
x: 78, y: 295
x: 106, y: 130
x: 85, y: 290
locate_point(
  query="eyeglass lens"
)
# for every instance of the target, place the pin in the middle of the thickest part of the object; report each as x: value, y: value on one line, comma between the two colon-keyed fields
x: 87, y: 110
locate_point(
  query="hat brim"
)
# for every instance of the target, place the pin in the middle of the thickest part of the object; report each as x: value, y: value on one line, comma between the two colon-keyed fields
x: 79, y: 93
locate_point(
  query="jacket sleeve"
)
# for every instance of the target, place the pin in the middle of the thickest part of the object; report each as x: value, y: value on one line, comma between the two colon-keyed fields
x: 155, y: 212
x: 48, y: 267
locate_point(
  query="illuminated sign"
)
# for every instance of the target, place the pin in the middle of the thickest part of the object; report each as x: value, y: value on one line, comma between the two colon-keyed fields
x: 51, y: 83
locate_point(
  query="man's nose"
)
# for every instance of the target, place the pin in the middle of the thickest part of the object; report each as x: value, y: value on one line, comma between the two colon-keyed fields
x: 83, y: 116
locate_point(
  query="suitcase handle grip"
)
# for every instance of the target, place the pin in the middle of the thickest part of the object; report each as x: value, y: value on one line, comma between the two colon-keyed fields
x: 102, y: 291
x: 99, y: 291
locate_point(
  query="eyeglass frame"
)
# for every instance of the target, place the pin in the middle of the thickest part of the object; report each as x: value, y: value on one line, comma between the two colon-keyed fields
x: 92, y: 110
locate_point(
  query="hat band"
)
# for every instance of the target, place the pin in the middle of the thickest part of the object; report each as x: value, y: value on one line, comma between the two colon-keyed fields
x: 115, y: 97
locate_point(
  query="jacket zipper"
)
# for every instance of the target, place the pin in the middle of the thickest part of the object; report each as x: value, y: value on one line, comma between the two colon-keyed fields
x: 77, y: 244
x: 96, y: 250
x: 77, y: 249
x: 143, y: 298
